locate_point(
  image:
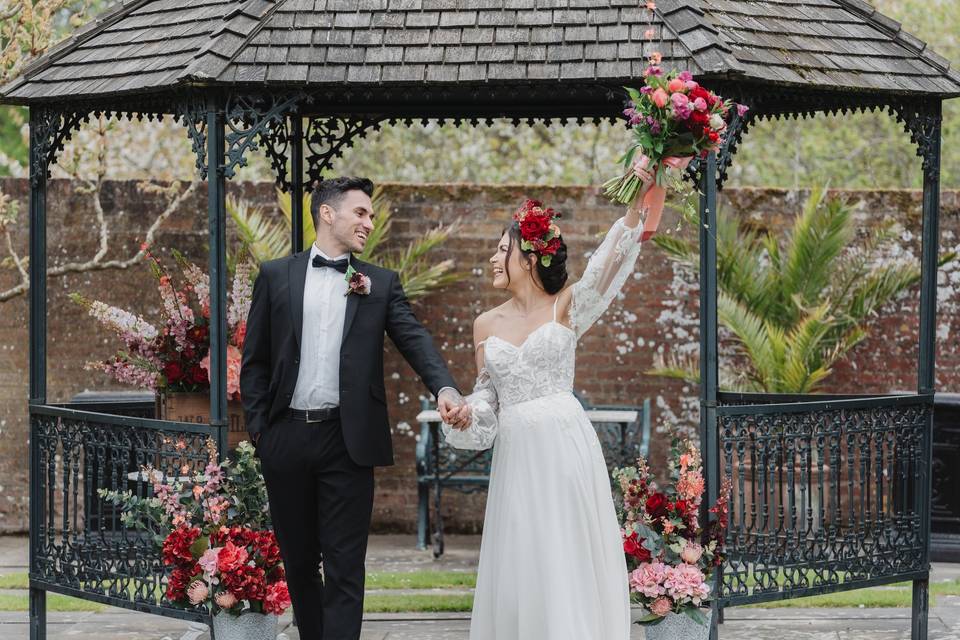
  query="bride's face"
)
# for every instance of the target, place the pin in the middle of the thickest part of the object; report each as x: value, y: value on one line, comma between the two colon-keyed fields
x: 505, y: 263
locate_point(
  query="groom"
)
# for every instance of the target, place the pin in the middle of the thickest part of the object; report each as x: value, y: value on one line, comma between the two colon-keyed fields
x: 315, y: 405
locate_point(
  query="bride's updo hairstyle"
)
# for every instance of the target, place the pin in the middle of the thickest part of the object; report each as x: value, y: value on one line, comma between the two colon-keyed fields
x: 535, y: 233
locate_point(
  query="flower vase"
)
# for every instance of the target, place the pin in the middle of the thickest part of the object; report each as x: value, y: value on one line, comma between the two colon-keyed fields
x: 679, y: 626
x: 246, y: 626
x: 185, y: 406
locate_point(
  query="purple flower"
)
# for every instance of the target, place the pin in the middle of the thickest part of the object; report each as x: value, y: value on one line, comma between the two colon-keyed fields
x: 686, y: 76
x: 742, y: 109
x: 655, y: 127
x: 653, y: 71
x: 646, y: 90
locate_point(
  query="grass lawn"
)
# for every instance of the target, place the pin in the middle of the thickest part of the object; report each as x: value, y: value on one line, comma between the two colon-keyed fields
x: 55, y: 602
x: 897, y: 595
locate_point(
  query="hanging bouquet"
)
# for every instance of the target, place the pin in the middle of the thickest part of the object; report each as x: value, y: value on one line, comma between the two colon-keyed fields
x: 212, y: 531
x: 670, y: 556
x: 672, y: 119
x: 175, y: 357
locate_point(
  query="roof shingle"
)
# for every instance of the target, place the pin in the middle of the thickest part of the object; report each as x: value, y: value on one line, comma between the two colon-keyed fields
x: 152, y: 45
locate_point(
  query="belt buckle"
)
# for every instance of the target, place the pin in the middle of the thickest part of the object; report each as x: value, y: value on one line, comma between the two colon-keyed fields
x: 308, y: 420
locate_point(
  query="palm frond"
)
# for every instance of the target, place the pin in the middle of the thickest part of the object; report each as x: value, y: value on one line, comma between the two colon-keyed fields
x: 262, y: 238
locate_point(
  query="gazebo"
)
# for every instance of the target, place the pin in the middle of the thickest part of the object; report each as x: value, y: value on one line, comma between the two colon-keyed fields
x: 830, y: 493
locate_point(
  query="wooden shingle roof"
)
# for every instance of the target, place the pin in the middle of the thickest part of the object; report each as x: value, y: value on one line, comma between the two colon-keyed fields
x: 147, y: 46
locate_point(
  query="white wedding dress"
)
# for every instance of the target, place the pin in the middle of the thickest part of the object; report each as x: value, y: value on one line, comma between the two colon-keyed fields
x: 552, y: 565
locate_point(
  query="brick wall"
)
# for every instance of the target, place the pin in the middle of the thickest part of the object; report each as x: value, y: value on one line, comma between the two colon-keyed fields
x: 657, y: 314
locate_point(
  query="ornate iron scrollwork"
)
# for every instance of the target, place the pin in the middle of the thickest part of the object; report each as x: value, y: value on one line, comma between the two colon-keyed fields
x: 822, y: 497
x: 923, y: 122
x: 50, y: 129
x: 255, y: 121
x: 327, y: 138
x: 192, y: 114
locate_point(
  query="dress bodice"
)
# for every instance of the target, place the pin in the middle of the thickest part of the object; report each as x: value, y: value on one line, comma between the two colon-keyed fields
x: 542, y: 365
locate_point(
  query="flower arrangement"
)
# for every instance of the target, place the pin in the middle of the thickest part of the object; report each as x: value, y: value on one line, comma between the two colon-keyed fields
x: 212, y: 531
x: 672, y: 119
x: 538, y: 232
x: 175, y: 357
x: 670, y: 556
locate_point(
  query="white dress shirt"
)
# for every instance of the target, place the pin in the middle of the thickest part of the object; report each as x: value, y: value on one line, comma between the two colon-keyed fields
x: 324, y: 307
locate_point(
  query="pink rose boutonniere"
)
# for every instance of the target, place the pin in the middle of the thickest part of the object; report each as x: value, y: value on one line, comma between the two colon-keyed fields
x: 357, y: 282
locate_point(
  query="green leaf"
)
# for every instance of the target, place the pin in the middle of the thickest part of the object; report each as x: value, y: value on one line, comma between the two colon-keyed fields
x: 696, y: 615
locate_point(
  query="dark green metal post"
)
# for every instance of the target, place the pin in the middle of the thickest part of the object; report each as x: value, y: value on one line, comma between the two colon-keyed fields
x: 38, y: 351
x: 929, y: 254
x: 708, y: 347
x: 296, y: 183
x: 217, y: 222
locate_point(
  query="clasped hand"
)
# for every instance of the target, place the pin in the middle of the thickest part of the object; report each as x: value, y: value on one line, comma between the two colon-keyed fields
x: 454, y: 410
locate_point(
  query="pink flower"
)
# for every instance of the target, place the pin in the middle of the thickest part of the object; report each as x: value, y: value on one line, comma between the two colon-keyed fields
x: 651, y: 5
x: 225, y: 599
x: 197, y: 592
x: 231, y: 557
x: 660, y: 98
x: 685, y: 76
x: 691, y: 553
x: 742, y: 110
x: 700, y: 104
x: 681, y: 106
x: 277, y: 599
x: 656, y: 58
x: 691, y: 85
x: 686, y: 581
x: 234, y: 360
x: 648, y: 578
x: 652, y: 70
x: 675, y: 85
x: 208, y: 561
x: 661, y: 607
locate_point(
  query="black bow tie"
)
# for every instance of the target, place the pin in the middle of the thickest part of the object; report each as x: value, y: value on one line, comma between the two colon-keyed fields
x: 339, y: 265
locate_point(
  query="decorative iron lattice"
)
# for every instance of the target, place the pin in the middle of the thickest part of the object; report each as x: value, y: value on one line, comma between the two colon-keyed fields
x: 327, y: 138
x: 192, y: 114
x: 253, y: 121
x: 824, y: 498
x: 50, y: 129
x: 80, y: 545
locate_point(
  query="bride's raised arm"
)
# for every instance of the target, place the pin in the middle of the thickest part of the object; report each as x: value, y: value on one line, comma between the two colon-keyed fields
x: 608, y: 268
x: 484, y: 406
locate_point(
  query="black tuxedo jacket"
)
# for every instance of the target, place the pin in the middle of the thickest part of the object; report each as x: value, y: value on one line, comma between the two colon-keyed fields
x: 271, y: 353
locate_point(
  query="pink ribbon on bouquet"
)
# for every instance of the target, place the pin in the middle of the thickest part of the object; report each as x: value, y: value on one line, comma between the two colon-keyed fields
x: 655, y: 198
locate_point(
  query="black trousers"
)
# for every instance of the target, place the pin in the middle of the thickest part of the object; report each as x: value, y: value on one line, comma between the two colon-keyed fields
x: 320, y: 503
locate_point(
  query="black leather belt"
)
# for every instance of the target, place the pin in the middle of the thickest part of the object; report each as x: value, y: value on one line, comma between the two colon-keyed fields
x: 314, y: 415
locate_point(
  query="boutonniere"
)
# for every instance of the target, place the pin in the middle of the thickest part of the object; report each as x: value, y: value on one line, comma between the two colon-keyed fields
x: 357, y: 282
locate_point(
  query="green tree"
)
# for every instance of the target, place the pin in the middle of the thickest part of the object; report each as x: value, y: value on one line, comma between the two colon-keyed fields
x: 796, y: 306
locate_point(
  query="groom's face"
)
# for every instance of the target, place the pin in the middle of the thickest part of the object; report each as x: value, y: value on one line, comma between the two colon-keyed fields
x: 349, y: 221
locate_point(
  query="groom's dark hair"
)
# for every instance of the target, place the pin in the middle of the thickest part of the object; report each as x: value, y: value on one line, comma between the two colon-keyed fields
x: 330, y: 192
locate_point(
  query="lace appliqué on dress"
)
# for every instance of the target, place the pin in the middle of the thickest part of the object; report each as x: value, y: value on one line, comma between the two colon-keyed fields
x: 604, y: 277
x: 483, y: 421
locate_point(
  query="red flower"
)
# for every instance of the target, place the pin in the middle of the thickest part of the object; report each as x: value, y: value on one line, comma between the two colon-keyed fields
x: 239, y: 335
x: 551, y: 247
x: 713, y: 135
x: 178, y: 582
x: 657, y: 505
x: 246, y: 582
x: 266, y: 546
x: 176, y: 546
x: 277, y: 599
x: 533, y: 227
x: 633, y: 545
x: 198, y: 334
x: 231, y: 557
x: 198, y: 374
x: 173, y: 371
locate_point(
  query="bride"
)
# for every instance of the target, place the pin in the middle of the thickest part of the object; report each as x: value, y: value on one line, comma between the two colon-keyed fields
x: 551, y: 560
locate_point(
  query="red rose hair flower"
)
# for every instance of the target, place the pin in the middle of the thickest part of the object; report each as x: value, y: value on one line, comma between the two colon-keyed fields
x: 538, y: 233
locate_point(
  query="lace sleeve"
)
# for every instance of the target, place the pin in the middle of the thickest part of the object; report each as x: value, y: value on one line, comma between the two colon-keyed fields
x: 604, y: 277
x: 483, y: 421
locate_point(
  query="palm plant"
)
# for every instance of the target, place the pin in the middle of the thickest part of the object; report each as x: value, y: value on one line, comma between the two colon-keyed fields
x: 793, y: 309
x: 264, y: 239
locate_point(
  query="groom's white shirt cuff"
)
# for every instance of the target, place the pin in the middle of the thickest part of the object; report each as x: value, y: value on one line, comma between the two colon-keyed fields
x: 442, y: 389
